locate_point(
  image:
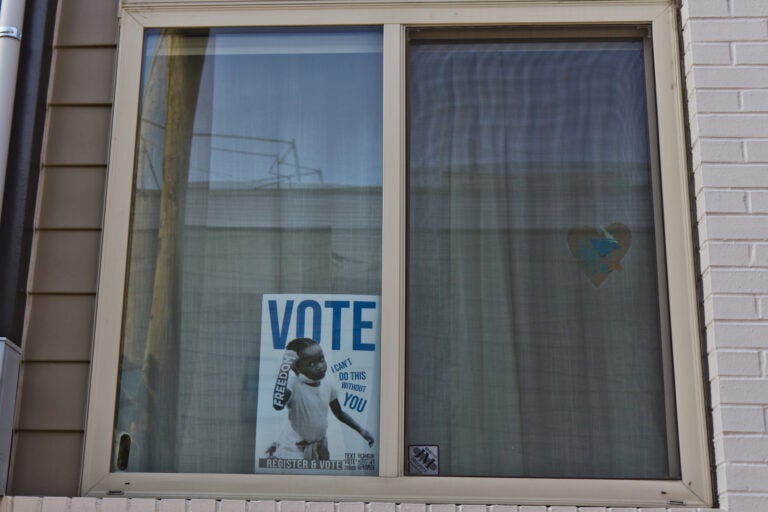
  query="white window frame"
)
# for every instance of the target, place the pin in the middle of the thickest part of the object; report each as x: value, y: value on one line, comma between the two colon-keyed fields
x: 693, y: 489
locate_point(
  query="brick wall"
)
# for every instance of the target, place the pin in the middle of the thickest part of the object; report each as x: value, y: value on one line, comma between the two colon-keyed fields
x: 28, y: 504
x: 726, y: 70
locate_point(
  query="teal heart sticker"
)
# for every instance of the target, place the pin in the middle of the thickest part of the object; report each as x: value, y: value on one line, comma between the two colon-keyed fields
x: 599, y: 252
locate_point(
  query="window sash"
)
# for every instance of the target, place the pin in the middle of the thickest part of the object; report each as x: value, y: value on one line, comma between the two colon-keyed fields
x: 232, y: 168
x: 522, y: 39
x: 694, y: 488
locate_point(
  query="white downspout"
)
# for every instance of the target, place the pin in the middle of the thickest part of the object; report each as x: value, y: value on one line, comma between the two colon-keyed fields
x: 11, y: 20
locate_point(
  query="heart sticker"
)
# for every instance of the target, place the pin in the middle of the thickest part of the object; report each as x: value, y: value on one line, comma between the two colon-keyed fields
x: 599, y: 251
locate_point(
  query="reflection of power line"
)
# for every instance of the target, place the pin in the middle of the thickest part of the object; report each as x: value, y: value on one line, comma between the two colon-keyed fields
x: 301, y: 170
x: 285, y: 156
x: 145, y: 150
x: 241, y: 137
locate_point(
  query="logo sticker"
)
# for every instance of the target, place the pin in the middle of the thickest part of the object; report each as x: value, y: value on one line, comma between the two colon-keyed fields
x: 423, y: 460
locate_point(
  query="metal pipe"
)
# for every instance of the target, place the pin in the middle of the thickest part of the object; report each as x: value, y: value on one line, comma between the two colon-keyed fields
x: 11, y: 21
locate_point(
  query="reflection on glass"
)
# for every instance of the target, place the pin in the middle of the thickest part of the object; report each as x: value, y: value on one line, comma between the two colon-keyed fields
x: 258, y: 177
x: 534, y: 338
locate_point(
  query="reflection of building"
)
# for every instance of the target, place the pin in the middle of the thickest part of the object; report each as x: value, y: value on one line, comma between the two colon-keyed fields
x: 230, y: 242
x: 727, y: 100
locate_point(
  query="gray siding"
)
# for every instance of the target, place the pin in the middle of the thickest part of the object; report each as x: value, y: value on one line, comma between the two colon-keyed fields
x: 62, y: 283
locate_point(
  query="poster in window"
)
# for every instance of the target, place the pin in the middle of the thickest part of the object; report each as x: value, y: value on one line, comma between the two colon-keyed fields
x: 318, y: 399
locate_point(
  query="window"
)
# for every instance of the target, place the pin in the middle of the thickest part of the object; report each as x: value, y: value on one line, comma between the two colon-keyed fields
x: 479, y: 214
x: 523, y: 155
x: 279, y: 182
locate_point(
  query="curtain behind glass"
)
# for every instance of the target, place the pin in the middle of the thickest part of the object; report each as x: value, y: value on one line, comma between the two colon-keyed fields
x: 517, y: 364
x: 258, y: 171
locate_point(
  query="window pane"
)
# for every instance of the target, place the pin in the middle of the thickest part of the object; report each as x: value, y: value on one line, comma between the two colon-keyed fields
x: 535, y: 325
x: 256, y: 219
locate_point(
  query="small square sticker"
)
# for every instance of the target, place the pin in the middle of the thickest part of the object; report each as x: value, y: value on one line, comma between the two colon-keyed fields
x: 423, y: 459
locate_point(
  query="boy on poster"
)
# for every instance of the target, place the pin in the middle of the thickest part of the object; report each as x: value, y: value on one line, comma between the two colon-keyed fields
x: 308, y: 397
x: 319, y: 354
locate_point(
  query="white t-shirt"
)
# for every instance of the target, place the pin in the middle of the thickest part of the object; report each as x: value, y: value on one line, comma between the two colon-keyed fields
x: 308, y: 408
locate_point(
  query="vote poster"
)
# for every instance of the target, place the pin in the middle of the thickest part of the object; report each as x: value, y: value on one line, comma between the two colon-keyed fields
x: 318, y: 393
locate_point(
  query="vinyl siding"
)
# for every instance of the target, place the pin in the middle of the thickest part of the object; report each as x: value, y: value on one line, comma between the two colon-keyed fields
x: 62, y: 282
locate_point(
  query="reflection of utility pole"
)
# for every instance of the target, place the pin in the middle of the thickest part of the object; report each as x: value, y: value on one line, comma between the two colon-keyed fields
x: 292, y: 150
x: 296, y: 161
x: 159, y: 373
